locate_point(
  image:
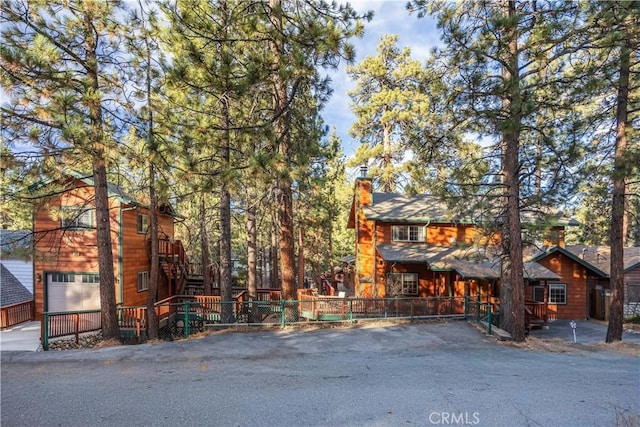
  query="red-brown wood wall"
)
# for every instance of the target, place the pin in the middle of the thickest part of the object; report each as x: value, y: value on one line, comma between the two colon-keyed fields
x: 576, y: 277
x: 75, y: 251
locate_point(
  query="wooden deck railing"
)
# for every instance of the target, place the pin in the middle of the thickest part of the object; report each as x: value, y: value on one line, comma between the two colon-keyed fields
x: 185, y: 313
x: 537, y: 309
x: 133, y: 319
x: 15, y: 314
x: 170, y: 249
x: 321, y: 307
x: 63, y: 324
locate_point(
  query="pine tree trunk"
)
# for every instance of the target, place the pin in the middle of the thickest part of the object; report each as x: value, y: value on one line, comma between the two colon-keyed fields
x: 103, y: 223
x: 282, y: 131
x: 251, y: 254
x: 301, y: 260
x: 331, y: 261
x: 105, y: 254
x: 152, y: 292
x: 273, y: 253
x: 387, y: 180
x: 225, y: 223
x: 204, y: 248
x: 512, y: 289
x: 616, y: 312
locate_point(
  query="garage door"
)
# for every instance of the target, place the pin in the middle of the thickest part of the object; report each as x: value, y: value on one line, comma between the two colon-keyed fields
x: 72, y: 292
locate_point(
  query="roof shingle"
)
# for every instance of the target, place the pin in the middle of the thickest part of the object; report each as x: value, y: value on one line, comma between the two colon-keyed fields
x: 12, y: 291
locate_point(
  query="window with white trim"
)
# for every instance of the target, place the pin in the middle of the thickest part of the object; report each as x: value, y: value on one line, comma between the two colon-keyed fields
x: 143, y: 223
x: 143, y: 281
x: 557, y: 293
x: 77, y: 217
x: 408, y: 233
x: 402, y: 283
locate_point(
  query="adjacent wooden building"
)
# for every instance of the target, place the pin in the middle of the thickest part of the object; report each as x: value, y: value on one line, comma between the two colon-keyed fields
x: 584, y: 286
x: 66, y: 248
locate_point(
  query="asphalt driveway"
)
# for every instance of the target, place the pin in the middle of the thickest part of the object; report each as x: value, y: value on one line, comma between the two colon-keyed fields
x: 376, y: 375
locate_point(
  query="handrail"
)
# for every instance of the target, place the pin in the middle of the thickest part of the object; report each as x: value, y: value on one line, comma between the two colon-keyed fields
x: 191, y: 311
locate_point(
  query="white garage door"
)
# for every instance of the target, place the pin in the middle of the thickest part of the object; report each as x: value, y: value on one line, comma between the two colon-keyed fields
x: 72, y: 292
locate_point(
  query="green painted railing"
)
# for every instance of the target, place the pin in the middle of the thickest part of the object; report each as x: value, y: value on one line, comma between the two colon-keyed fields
x: 481, y: 312
x: 183, y: 316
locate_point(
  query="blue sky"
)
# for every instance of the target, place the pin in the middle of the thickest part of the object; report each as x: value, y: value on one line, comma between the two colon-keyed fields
x: 390, y: 17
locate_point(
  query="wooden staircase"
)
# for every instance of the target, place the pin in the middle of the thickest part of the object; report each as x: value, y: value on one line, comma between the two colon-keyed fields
x: 173, y: 263
x: 194, y: 285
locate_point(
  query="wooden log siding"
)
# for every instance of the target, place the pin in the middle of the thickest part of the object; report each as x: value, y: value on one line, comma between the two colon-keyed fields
x: 631, y: 277
x: 67, y: 250
x: 436, y: 234
x: 575, y: 276
x: 76, y: 250
x: 135, y: 256
x: 16, y: 313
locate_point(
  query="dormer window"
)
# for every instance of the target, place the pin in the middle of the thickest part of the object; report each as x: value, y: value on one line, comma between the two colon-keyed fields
x: 408, y: 233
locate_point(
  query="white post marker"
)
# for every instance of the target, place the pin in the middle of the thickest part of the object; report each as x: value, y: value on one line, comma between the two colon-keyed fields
x: 573, y: 327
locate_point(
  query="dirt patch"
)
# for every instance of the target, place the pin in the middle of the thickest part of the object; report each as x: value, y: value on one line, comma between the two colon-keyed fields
x: 108, y: 343
x: 632, y: 327
x: 557, y: 345
x: 627, y: 348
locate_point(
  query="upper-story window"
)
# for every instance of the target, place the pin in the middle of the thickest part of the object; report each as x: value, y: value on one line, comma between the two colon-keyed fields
x: 77, y: 217
x: 408, y: 233
x: 143, y: 223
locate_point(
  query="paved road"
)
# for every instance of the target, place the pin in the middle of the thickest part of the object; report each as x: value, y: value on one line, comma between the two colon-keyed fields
x: 399, y: 375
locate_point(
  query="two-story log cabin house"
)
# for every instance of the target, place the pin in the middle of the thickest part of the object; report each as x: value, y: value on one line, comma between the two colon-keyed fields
x: 412, y: 246
x: 66, y: 248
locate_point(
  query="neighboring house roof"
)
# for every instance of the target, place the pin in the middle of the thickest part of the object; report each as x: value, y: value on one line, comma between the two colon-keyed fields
x: 22, y: 270
x: 631, y: 258
x: 595, y: 258
x: 12, y: 240
x: 12, y: 292
x: 468, y: 262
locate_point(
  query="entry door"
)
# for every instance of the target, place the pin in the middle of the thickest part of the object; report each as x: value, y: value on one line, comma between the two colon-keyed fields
x: 72, y: 292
